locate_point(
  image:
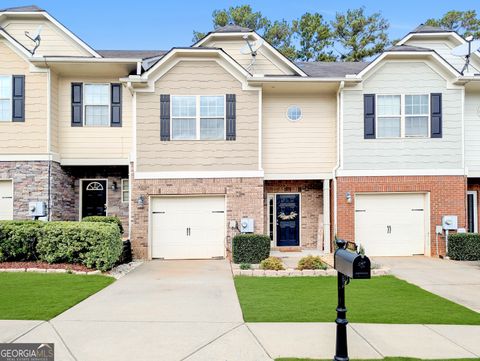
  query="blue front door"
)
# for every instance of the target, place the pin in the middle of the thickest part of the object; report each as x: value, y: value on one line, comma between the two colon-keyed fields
x: 288, y: 219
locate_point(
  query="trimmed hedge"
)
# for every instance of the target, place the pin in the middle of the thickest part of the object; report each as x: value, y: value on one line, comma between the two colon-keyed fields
x: 464, y: 247
x: 105, y: 219
x: 18, y: 240
x: 93, y: 244
x: 250, y: 248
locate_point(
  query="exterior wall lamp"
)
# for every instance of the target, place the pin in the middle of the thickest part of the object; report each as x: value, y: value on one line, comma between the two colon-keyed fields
x: 114, y: 186
x: 348, y: 197
x: 141, y: 202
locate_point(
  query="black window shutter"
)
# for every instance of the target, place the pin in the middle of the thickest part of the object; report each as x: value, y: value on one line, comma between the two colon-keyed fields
x: 18, y: 98
x: 116, y: 105
x: 77, y: 104
x: 231, y: 117
x: 369, y: 116
x: 436, y: 115
x: 165, y: 117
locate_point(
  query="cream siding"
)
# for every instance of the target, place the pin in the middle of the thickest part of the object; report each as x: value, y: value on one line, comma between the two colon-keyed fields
x: 472, y: 131
x: 29, y: 137
x: 443, y: 47
x: 197, y: 78
x: 54, y: 40
x: 403, y: 153
x: 54, y: 98
x: 92, y: 142
x: 306, y: 146
x: 263, y: 64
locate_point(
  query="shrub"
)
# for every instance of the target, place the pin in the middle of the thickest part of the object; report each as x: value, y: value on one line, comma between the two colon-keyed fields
x: 18, y: 240
x: 464, y: 246
x: 245, y: 266
x: 95, y: 245
x: 272, y: 263
x: 311, y: 262
x: 250, y: 248
x: 106, y: 219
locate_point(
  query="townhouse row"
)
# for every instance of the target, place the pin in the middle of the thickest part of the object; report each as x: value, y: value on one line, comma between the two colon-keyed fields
x: 193, y: 145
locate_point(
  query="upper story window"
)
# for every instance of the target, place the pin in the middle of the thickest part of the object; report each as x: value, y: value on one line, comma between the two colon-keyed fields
x: 401, y: 116
x: 97, y: 104
x: 198, y: 117
x: 5, y: 98
x: 294, y: 113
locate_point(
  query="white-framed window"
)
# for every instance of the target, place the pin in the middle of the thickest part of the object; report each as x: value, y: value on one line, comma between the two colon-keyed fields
x: 198, y: 117
x: 5, y: 98
x: 96, y: 102
x: 403, y: 115
x: 294, y: 113
x: 125, y: 190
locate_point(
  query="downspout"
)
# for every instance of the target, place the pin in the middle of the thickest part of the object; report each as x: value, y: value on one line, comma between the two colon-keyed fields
x: 49, y: 141
x: 339, y: 149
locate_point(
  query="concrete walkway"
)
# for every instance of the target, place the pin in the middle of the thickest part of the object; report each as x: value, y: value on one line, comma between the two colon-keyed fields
x: 183, y: 310
x: 454, y: 280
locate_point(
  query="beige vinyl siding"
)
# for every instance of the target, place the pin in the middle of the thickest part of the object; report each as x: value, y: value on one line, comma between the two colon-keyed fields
x: 472, y: 131
x: 54, y: 97
x: 263, y: 65
x: 197, y: 78
x: 443, y: 47
x: 29, y: 137
x: 306, y: 146
x: 54, y: 41
x: 403, y: 153
x: 92, y: 142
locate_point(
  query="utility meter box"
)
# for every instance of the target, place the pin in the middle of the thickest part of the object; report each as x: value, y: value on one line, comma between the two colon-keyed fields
x: 37, y: 209
x: 247, y: 225
x: 449, y: 222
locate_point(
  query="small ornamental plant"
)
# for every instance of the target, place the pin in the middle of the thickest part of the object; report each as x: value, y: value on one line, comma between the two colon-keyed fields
x: 272, y: 263
x: 311, y: 262
x: 245, y: 266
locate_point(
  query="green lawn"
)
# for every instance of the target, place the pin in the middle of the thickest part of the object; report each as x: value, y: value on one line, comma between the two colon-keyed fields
x: 42, y: 296
x: 383, y: 299
x: 385, y: 359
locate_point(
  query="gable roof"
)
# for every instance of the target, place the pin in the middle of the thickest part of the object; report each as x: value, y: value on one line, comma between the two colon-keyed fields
x: 325, y: 69
x: 422, y: 28
x: 410, y: 48
x: 231, y: 28
x: 141, y: 54
x: 20, y: 9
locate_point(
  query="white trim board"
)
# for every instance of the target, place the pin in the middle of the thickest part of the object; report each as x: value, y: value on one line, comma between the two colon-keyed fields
x: 299, y: 176
x: 398, y: 172
x: 199, y: 174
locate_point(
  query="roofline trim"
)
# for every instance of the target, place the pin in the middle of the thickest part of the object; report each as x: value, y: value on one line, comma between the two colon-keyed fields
x: 16, y: 44
x: 76, y: 59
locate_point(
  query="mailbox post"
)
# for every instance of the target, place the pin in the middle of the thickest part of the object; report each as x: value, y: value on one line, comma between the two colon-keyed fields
x: 348, y: 265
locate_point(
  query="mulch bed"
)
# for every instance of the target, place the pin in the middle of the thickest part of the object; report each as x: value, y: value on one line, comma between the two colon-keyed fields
x: 44, y: 265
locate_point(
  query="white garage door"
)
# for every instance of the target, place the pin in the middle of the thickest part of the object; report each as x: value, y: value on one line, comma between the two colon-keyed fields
x: 391, y: 224
x: 6, y: 200
x: 188, y: 227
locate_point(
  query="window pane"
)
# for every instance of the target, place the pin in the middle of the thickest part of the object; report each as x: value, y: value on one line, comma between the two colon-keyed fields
x: 96, y: 115
x: 183, y: 128
x: 211, y: 128
x: 294, y: 113
x: 5, y: 110
x: 212, y: 106
x: 416, y: 104
x: 125, y: 190
x: 183, y: 106
x: 388, y: 127
x: 97, y: 94
x: 5, y: 87
x: 388, y: 104
x: 416, y: 126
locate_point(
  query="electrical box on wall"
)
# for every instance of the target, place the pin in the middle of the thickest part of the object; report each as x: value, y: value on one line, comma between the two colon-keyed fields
x: 450, y: 222
x: 247, y: 225
x: 37, y: 209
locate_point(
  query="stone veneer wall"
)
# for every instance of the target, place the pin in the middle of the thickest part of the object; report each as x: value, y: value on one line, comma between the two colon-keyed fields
x: 63, y: 196
x: 311, y: 207
x: 244, y: 198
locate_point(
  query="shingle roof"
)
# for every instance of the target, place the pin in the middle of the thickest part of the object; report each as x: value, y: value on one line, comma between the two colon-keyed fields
x: 407, y: 48
x: 142, y: 54
x: 422, y: 28
x: 325, y: 69
x: 231, y: 28
x: 19, y: 9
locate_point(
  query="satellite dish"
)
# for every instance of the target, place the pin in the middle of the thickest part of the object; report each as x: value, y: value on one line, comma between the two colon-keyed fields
x: 466, y: 50
x: 251, y: 48
x: 35, y: 38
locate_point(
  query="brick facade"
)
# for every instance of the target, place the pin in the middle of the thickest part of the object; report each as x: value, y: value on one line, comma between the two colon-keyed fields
x: 311, y: 208
x: 447, y: 196
x: 244, y: 198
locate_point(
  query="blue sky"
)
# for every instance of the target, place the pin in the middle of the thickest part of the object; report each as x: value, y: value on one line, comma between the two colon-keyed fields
x: 108, y: 24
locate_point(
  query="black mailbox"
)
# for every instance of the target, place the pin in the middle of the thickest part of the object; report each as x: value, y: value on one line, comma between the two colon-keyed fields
x: 350, y: 263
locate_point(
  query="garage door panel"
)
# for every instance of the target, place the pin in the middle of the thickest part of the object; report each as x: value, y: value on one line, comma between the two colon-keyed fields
x: 390, y: 224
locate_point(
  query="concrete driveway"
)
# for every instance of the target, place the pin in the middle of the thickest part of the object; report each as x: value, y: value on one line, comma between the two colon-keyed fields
x: 454, y: 280
x: 163, y: 310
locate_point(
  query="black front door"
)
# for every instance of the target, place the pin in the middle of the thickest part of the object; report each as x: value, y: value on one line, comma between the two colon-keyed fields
x: 288, y: 219
x: 94, y: 198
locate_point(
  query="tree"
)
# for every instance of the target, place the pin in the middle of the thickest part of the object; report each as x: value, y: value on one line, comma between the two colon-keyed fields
x: 279, y: 35
x: 360, y: 36
x: 315, y: 36
x: 463, y: 22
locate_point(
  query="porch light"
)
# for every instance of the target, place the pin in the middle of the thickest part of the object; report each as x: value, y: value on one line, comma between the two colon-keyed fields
x: 348, y: 197
x: 114, y: 186
x: 140, y: 202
